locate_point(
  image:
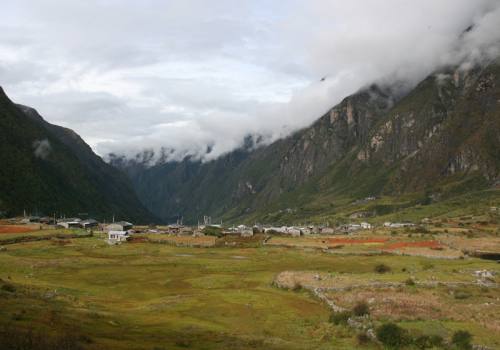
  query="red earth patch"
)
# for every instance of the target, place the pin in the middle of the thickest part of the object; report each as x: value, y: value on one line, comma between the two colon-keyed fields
x: 17, y: 229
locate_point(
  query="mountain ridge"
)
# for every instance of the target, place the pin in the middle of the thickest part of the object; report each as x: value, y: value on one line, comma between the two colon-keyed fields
x: 371, y: 143
x: 51, y: 170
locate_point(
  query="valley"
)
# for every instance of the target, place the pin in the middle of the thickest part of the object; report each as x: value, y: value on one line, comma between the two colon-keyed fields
x: 251, y: 175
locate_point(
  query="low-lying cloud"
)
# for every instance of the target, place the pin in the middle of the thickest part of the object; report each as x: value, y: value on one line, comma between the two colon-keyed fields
x: 42, y: 148
x: 192, y: 78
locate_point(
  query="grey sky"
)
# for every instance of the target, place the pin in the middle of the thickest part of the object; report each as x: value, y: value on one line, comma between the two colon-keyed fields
x: 184, y: 74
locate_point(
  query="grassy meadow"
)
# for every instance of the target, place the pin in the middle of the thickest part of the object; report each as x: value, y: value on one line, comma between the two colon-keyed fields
x: 84, y: 293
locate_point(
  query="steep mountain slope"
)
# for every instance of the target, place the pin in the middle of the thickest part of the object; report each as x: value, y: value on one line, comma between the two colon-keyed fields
x: 49, y: 169
x: 245, y: 179
x: 440, y: 140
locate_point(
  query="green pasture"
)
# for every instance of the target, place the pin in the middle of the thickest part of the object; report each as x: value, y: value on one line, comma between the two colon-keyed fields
x: 155, y: 296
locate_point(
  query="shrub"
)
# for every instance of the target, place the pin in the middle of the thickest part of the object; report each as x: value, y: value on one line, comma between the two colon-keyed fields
x: 436, y: 340
x: 361, y: 309
x: 8, y: 288
x: 423, y: 342
x: 428, y: 342
x: 392, y: 336
x: 212, y: 231
x: 410, y: 282
x: 462, y: 340
x: 382, y: 268
x: 462, y: 295
x: 341, y: 317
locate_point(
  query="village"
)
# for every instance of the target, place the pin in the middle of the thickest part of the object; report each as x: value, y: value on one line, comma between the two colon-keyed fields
x: 121, y: 231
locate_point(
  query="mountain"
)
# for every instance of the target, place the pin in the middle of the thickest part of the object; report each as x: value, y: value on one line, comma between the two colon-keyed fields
x: 49, y: 169
x: 428, y: 148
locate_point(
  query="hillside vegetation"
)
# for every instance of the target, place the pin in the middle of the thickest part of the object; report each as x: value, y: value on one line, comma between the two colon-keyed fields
x: 47, y: 169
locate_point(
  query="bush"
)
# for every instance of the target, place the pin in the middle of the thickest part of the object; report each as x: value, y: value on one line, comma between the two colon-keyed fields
x: 428, y: 342
x: 462, y: 295
x: 410, y: 282
x: 382, y: 268
x: 212, y: 231
x: 361, y: 309
x: 8, y: 288
x: 462, y: 340
x: 340, y: 318
x: 392, y: 336
x: 423, y: 342
x: 436, y: 340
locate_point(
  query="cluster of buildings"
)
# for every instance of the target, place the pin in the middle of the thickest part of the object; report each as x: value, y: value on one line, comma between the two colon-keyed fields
x: 63, y: 222
x: 117, y: 231
x: 122, y: 230
x: 355, y: 227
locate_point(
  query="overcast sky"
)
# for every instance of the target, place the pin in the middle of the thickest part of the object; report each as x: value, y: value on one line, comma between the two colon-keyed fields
x: 191, y: 74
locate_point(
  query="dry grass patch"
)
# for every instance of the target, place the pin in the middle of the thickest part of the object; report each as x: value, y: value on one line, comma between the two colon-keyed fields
x: 188, y: 241
x: 490, y: 244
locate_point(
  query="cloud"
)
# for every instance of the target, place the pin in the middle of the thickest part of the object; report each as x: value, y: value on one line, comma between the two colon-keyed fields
x: 42, y: 148
x: 185, y: 76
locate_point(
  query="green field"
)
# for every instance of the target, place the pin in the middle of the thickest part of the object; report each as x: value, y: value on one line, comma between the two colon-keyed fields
x: 154, y: 296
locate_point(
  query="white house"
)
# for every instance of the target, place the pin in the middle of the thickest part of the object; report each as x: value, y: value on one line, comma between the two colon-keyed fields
x: 292, y: 231
x: 366, y: 226
x: 118, y: 236
x: 69, y: 223
x: 119, y: 226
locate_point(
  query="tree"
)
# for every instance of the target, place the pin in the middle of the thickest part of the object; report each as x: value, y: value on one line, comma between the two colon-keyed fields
x: 341, y: 317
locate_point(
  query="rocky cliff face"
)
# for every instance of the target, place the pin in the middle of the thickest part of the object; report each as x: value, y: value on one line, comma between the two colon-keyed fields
x: 448, y: 125
x: 374, y: 142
